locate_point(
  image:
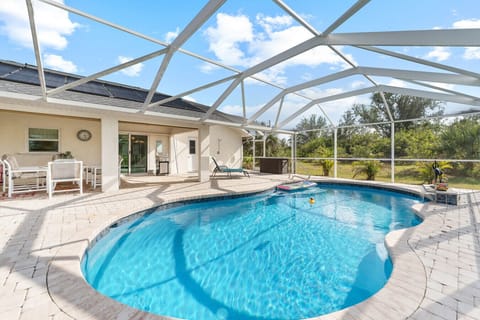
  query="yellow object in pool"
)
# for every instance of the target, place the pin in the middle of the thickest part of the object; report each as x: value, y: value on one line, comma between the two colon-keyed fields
x: 312, y: 201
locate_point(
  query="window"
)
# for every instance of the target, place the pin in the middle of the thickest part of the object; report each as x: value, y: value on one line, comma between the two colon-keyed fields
x: 192, y: 146
x: 42, y: 140
x: 159, y: 148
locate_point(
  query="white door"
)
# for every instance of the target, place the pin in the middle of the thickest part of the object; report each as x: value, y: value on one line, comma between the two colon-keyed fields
x: 192, y: 161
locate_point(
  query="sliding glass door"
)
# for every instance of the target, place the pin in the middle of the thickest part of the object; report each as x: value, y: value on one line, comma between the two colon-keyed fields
x: 133, y: 148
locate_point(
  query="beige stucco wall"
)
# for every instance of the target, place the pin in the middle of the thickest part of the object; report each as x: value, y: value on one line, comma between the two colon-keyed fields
x: 14, y: 136
x: 225, y: 146
x: 179, y: 151
x: 225, y: 143
x: 154, y: 133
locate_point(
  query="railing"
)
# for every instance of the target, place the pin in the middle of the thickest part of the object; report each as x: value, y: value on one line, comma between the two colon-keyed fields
x: 407, y: 171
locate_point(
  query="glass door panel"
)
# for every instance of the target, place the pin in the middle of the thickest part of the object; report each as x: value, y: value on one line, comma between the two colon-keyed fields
x: 123, y: 147
x: 138, y: 154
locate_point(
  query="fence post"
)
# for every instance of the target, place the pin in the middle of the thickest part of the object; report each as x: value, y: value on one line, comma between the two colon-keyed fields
x: 392, y: 151
x: 335, y: 134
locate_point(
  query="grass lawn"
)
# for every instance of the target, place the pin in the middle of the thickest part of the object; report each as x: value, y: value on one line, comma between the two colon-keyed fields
x: 404, y: 173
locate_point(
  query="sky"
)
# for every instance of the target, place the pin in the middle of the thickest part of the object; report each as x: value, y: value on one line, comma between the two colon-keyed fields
x: 239, y: 35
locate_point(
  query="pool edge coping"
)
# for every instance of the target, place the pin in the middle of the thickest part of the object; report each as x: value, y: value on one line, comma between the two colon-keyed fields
x: 408, y: 278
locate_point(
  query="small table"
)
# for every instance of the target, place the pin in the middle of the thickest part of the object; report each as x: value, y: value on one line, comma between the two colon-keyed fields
x: 91, y: 173
x: 165, y: 164
x: 33, y: 172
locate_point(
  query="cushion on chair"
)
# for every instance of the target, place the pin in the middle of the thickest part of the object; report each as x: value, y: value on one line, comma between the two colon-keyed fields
x: 12, y: 161
x: 65, y: 169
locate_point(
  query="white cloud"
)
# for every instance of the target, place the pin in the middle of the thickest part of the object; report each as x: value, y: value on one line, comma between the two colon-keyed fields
x: 358, y: 84
x: 133, y: 71
x: 316, y: 93
x: 439, y: 54
x: 171, y: 35
x: 397, y: 83
x: 226, y: 38
x: 467, y: 24
x: 208, y: 68
x: 237, y: 41
x: 53, y: 24
x: 447, y: 86
x: 232, y: 109
x: 58, y: 63
x: 273, y: 23
x: 472, y: 53
x: 189, y: 98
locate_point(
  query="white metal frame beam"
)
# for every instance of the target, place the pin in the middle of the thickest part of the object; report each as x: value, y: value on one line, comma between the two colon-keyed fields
x: 391, y: 89
x: 326, y: 99
x: 36, y: 48
x: 420, y: 61
x: 371, y: 71
x: 106, y: 72
x: 205, y: 13
x: 283, y: 56
x: 369, y: 41
x: 421, y: 38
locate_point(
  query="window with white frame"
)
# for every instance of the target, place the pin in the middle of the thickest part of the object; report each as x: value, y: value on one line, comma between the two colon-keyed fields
x: 42, y: 140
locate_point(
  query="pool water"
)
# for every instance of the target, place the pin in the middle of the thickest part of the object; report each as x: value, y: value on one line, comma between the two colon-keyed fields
x: 274, y: 255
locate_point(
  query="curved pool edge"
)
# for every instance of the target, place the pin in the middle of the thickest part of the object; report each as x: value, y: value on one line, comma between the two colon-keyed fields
x: 405, y: 289
x: 74, y: 296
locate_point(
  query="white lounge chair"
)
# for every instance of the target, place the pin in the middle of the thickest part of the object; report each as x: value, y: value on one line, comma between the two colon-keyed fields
x: 228, y: 170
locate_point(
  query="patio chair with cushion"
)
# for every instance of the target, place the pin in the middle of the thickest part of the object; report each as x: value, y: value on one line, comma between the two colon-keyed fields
x: 18, y: 179
x: 228, y: 170
x: 65, y: 170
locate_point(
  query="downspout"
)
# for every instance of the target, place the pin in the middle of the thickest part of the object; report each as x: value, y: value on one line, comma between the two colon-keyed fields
x: 175, y: 152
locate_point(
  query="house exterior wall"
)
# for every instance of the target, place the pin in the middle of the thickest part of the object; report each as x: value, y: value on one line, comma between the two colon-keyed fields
x: 225, y: 146
x: 14, y: 136
x: 225, y: 142
x: 179, y: 153
x: 154, y: 133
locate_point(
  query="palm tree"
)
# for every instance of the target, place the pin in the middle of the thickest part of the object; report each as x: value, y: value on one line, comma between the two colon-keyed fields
x: 368, y: 167
x: 426, y: 171
x: 314, y: 122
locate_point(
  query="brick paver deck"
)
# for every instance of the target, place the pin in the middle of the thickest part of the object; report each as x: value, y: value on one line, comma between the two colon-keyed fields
x: 436, y: 264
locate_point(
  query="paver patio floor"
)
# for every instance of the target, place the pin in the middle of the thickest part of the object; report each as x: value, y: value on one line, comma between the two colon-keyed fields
x: 436, y: 265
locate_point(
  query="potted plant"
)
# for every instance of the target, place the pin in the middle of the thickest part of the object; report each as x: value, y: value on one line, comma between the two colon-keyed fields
x: 442, y: 185
x: 65, y: 155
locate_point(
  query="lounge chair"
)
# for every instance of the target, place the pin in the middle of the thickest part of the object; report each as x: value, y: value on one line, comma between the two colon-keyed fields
x: 227, y: 170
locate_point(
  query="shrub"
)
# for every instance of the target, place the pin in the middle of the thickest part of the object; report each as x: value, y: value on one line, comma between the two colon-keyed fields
x: 368, y: 167
x: 425, y: 170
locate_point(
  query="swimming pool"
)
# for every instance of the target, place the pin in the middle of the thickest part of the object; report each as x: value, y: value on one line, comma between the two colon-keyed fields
x: 273, y: 255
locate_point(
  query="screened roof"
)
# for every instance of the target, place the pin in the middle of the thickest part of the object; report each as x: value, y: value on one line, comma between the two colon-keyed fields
x: 273, y: 62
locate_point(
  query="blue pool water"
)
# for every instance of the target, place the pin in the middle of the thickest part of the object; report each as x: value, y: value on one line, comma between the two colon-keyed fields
x: 268, y: 256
